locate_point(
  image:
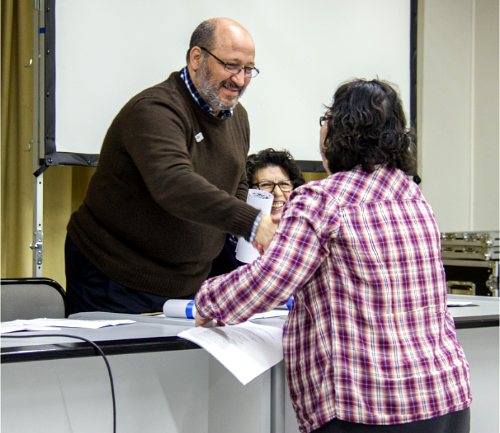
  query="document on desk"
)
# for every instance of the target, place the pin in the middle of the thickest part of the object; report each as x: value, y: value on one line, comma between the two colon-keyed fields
x: 246, y: 350
x: 271, y: 314
x: 460, y: 304
x: 57, y: 324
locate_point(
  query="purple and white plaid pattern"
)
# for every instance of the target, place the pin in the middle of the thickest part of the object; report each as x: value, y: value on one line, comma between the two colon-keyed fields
x: 369, y: 338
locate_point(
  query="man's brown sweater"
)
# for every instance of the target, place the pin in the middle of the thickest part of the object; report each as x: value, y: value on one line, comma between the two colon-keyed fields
x: 169, y: 184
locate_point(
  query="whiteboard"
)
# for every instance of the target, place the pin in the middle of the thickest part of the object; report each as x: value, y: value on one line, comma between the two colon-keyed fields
x: 106, y: 51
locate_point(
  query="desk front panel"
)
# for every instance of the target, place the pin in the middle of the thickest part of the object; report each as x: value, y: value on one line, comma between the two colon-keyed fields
x: 177, y: 391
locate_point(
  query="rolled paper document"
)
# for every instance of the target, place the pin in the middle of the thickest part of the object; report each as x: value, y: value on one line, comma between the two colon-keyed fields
x: 181, y: 308
x: 263, y: 200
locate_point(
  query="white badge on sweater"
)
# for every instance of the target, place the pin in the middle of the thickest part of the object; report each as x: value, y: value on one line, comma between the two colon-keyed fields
x: 198, y: 137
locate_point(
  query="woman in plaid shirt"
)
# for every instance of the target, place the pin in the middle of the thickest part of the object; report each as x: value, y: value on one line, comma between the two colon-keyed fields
x: 369, y: 342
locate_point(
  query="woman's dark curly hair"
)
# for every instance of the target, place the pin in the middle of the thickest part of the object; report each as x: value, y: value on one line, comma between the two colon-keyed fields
x: 367, y: 126
x: 274, y: 158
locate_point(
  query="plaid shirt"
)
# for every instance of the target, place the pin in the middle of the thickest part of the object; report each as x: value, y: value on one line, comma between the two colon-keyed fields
x: 369, y: 338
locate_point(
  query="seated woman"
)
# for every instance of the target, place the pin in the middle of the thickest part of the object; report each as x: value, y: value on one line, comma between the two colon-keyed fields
x: 272, y: 171
x: 369, y: 342
x: 275, y: 172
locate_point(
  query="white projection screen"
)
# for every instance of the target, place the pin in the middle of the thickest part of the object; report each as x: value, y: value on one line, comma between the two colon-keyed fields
x: 100, y: 53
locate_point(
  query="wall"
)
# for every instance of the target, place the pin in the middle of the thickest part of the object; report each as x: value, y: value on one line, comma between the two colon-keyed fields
x: 485, y: 190
x: 457, y: 127
x: 457, y: 122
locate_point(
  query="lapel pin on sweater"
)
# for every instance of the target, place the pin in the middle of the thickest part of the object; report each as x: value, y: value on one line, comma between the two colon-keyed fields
x: 198, y: 137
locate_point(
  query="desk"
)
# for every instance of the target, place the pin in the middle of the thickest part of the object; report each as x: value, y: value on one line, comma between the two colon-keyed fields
x: 168, y: 383
x: 477, y: 332
x: 162, y: 383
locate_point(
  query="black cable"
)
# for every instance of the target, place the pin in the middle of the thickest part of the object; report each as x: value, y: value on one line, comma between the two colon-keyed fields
x: 96, y: 347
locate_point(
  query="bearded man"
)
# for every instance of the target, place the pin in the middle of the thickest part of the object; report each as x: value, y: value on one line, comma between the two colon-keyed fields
x: 169, y: 184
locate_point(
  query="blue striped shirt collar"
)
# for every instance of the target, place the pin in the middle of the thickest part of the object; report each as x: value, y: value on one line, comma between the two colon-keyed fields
x: 224, y: 114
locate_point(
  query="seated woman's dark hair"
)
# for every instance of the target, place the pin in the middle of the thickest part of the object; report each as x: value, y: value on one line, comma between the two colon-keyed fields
x: 274, y: 158
x: 367, y: 126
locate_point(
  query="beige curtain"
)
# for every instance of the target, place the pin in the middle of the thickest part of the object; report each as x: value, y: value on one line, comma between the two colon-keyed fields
x: 64, y: 187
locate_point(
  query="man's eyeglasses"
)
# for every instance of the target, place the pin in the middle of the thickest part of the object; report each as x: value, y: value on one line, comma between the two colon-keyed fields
x: 235, y: 69
x: 267, y: 185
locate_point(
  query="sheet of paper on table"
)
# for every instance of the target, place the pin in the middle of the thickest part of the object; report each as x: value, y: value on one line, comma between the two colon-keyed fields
x: 57, y: 324
x: 246, y: 350
x: 270, y: 314
x: 460, y: 304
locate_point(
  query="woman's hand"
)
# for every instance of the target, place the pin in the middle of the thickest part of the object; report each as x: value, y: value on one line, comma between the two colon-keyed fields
x: 201, y: 321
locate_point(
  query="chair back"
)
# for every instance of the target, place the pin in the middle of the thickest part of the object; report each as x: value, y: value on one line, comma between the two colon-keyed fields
x: 31, y: 298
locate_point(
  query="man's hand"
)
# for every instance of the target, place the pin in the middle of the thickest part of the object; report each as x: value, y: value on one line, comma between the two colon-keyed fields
x: 258, y: 247
x: 265, y: 232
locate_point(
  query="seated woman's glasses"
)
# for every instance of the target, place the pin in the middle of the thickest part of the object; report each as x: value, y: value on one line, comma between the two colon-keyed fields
x: 266, y: 185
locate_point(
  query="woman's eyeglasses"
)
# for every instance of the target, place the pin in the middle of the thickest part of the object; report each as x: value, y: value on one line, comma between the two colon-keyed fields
x: 266, y: 185
x: 323, y: 119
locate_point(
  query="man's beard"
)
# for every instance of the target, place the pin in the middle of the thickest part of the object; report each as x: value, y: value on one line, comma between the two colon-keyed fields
x: 210, y: 90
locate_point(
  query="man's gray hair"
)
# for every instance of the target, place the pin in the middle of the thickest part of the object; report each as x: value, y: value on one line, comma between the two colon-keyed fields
x: 203, y: 36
